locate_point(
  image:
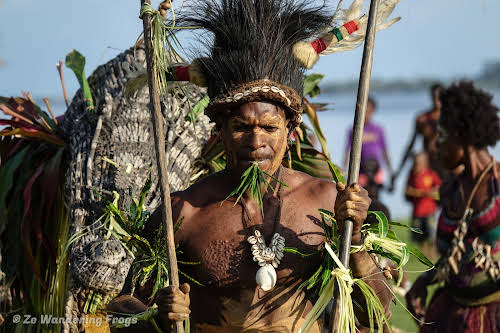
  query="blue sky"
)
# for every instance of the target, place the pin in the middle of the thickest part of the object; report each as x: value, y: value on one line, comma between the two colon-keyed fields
x: 438, y: 38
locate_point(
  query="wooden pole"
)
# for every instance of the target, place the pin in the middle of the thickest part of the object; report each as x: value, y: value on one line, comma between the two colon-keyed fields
x: 161, y: 157
x: 357, y: 140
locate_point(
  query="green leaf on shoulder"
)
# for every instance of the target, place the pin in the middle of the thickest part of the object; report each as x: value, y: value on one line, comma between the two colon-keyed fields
x: 336, y: 173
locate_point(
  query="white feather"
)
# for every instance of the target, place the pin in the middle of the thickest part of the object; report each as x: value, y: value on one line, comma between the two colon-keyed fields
x: 354, y: 11
x: 353, y: 41
x: 336, y: 14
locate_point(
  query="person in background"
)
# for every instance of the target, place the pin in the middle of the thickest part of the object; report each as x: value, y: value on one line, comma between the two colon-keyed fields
x: 422, y: 190
x: 469, y: 224
x: 374, y: 150
x: 425, y: 127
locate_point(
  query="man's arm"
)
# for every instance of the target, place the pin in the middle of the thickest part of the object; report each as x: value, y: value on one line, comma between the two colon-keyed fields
x: 412, y: 192
x: 364, y: 267
x: 173, y: 304
x: 353, y: 203
x: 131, y: 305
x: 388, y: 162
x: 407, y: 153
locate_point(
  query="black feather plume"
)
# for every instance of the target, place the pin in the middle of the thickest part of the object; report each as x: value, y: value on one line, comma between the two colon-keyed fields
x: 253, y: 39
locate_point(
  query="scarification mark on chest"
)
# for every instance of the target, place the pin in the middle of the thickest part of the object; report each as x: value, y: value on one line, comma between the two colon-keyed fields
x: 222, y: 260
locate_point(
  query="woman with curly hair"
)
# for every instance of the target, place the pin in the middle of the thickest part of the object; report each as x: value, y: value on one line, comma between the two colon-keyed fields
x: 469, y: 226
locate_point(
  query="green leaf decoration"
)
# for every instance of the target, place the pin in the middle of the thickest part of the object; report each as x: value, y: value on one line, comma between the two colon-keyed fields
x: 387, y: 255
x: 331, y: 231
x: 144, y: 192
x: 251, y: 180
x: 419, y: 255
x: 392, y: 235
x: 415, y: 230
x: 311, y: 113
x: 151, y: 260
x: 383, y: 223
x: 311, y: 82
x: 178, y: 225
x: 336, y: 173
x: 297, y: 252
x: 190, y: 278
x: 76, y: 62
x: 342, y: 279
x: 198, y: 109
x: 376, y: 312
x: 309, y: 283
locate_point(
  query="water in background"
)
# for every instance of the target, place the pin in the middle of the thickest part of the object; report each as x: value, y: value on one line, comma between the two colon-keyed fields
x: 396, y: 112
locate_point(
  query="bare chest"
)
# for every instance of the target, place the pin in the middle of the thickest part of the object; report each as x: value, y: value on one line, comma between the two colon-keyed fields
x: 217, y: 239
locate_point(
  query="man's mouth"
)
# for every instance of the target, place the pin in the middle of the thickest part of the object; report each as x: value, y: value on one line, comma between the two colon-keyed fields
x: 246, y: 161
x: 255, y: 158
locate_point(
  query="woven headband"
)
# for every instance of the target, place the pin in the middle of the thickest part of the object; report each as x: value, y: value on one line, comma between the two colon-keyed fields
x: 260, y: 90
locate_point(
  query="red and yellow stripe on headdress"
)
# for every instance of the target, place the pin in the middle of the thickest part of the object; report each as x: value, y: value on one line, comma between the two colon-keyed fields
x: 307, y: 53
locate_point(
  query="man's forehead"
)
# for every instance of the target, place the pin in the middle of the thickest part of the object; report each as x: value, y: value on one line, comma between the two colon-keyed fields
x: 258, y: 111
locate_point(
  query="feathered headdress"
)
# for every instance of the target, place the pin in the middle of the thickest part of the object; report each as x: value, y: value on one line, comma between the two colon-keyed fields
x: 250, y: 53
x: 259, y: 49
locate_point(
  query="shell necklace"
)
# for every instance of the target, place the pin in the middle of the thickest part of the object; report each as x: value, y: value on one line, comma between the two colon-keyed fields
x: 267, y: 257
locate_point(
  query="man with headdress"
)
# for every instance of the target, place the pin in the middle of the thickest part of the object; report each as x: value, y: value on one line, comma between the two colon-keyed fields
x: 255, y: 88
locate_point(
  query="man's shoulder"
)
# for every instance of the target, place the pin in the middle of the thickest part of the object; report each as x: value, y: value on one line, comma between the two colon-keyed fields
x: 314, y: 187
x: 201, y: 192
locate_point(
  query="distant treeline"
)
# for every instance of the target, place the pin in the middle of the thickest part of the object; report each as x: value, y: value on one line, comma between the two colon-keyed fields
x: 488, y: 78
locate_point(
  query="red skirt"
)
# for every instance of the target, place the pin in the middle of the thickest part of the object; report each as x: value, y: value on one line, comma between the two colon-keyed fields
x: 445, y: 315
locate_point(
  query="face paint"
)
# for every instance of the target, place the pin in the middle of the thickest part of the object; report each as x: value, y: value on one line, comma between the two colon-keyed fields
x: 257, y: 131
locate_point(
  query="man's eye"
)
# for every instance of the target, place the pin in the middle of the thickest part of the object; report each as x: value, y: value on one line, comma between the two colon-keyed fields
x: 270, y: 128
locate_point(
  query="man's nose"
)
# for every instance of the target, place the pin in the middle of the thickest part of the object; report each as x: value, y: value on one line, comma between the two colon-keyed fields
x: 256, y: 139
